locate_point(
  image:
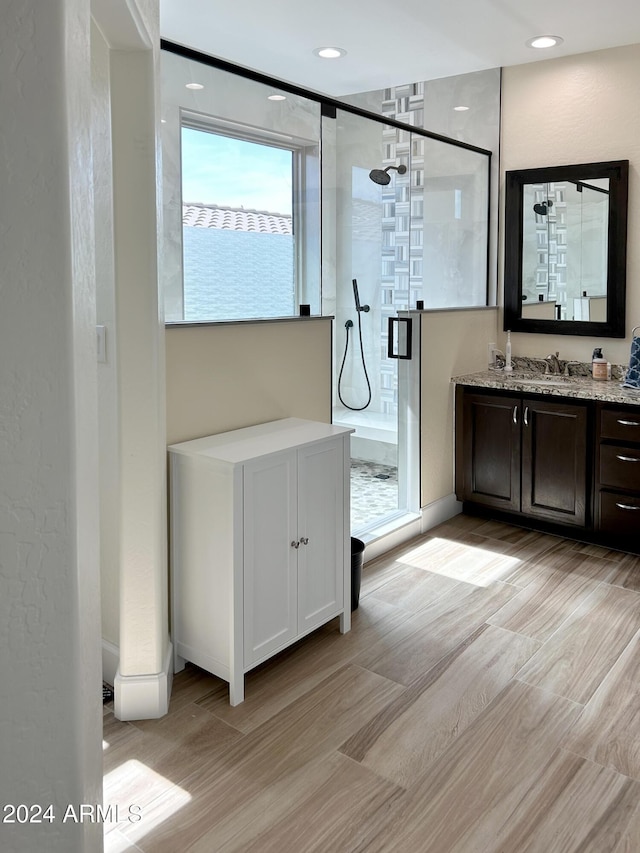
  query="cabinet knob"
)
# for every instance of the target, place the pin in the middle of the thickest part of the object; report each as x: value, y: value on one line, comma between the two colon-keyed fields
x: 304, y: 540
x: 295, y: 544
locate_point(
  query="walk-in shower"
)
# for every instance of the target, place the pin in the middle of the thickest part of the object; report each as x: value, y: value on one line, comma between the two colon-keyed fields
x: 367, y: 196
x: 412, y: 229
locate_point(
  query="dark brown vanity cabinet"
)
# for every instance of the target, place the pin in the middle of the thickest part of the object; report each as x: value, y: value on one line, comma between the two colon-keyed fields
x: 617, y: 506
x: 522, y: 454
x: 488, y: 449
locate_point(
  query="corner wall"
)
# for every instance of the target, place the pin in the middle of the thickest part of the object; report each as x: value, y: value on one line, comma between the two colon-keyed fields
x: 142, y: 684
x: 51, y: 719
x: 452, y: 343
x: 107, y: 370
x: 136, y: 649
x: 576, y: 109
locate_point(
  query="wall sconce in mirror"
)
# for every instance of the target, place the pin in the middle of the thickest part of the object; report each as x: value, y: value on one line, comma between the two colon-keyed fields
x: 565, y: 249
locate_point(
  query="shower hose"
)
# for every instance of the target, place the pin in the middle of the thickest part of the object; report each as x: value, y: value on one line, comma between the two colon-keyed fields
x: 348, y: 326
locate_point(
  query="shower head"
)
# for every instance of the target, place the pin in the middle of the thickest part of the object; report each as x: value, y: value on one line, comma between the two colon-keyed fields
x: 382, y: 176
x: 543, y: 207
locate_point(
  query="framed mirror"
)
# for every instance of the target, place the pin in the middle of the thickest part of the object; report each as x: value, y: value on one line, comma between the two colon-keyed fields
x: 565, y: 249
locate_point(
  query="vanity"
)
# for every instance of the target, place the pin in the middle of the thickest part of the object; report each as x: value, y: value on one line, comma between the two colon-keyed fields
x: 555, y: 453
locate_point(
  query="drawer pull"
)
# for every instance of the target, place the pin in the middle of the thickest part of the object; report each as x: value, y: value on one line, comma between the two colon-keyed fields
x: 628, y: 423
x: 627, y: 458
x: 627, y: 506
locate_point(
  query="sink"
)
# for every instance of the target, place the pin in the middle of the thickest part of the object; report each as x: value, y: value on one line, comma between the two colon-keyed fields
x: 543, y: 380
x: 539, y: 379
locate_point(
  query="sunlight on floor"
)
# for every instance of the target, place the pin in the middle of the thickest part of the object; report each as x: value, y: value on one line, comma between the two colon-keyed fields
x: 141, y: 799
x: 468, y: 563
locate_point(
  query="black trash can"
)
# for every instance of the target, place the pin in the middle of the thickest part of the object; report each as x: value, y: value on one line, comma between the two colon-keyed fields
x: 357, y: 559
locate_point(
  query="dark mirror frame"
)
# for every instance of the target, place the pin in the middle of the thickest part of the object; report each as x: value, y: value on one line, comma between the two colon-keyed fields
x: 618, y: 173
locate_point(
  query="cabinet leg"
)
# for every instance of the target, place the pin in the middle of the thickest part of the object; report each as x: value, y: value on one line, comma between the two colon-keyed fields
x: 236, y: 691
x: 345, y: 621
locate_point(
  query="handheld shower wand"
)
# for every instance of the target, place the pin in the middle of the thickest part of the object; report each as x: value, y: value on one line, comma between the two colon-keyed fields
x: 348, y: 326
x: 356, y: 297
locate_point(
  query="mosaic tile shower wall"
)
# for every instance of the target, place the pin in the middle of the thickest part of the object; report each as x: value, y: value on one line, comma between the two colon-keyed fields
x: 402, y: 221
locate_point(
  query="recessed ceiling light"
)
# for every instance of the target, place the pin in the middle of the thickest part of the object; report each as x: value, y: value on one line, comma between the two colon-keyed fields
x: 541, y: 42
x: 194, y: 86
x: 461, y: 109
x: 276, y: 97
x: 330, y: 52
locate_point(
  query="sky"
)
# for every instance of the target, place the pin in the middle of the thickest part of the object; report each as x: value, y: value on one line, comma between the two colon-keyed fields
x: 235, y: 173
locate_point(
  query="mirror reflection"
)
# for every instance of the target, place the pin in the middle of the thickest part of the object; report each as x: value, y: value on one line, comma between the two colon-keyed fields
x: 565, y: 247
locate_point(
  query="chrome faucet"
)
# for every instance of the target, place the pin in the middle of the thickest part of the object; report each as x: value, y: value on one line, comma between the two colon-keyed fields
x: 553, y: 363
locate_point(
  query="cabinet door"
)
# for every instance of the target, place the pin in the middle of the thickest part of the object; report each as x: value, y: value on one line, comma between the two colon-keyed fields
x: 270, y: 578
x: 488, y: 458
x: 321, y: 529
x: 554, y: 461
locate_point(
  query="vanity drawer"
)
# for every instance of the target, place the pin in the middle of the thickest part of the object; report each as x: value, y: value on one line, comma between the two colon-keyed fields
x: 620, y: 467
x: 619, y: 513
x: 620, y: 424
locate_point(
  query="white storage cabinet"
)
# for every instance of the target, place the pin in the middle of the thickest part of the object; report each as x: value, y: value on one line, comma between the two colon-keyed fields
x: 260, y: 543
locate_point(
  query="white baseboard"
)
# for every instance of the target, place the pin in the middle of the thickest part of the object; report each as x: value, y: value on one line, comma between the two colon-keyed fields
x: 430, y: 516
x: 110, y: 661
x: 385, y: 541
x: 144, y: 697
x: 438, y: 511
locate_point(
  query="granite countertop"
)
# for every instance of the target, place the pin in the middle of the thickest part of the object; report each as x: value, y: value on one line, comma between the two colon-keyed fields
x: 528, y: 377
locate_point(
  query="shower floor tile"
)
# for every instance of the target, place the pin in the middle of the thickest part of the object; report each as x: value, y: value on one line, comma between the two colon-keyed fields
x: 374, y: 492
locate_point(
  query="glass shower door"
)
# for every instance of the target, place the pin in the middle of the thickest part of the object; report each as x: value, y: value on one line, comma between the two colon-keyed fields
x: 405, y: 227
x: 362, y: 251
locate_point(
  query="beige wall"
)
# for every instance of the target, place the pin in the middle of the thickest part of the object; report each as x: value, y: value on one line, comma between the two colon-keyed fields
x: 578, y: 109
x: 230, y: 376
x: 452, y: 343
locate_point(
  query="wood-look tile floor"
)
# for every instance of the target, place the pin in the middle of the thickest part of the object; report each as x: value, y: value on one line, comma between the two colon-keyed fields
x: 486, y: 700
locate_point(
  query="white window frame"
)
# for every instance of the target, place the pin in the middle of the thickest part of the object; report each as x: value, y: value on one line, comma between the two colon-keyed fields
x: 302, y: 223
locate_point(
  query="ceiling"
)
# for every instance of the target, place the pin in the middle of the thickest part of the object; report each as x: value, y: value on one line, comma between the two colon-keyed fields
x: 389, y: 44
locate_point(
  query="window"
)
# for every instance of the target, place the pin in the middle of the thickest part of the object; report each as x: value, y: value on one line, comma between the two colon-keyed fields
x: 241, y: 171
x: 239, y: 257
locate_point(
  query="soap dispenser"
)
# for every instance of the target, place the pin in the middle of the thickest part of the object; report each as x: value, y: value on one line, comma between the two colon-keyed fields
x: 599, y: 365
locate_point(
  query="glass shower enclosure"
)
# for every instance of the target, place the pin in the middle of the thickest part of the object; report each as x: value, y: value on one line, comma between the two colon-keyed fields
x: 367, y: 220
x: 404, y: 228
